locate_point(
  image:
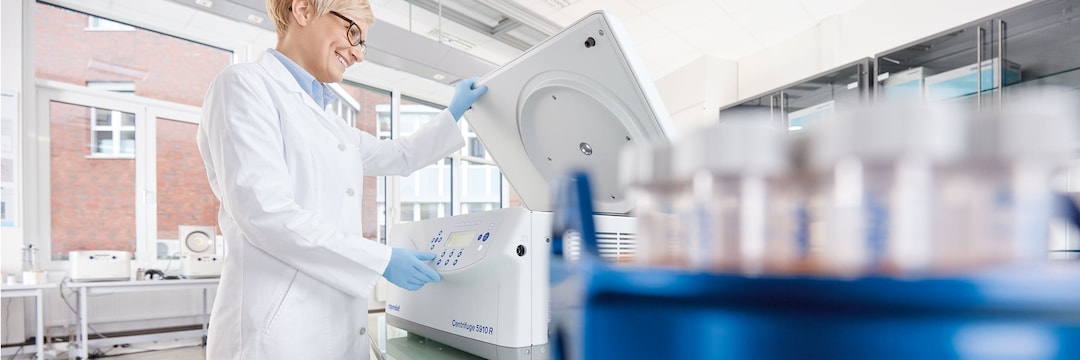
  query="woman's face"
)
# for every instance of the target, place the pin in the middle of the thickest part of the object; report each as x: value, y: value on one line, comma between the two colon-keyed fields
x: 328, y: 51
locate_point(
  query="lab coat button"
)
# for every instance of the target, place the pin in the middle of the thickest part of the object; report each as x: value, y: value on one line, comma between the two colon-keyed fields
x: 363, y: 331
x: 341, y: 147
x: 350, y: 192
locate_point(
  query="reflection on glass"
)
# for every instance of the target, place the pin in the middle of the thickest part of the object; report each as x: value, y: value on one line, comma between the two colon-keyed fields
x: 906, y: 85
x: 800, y: 120
x: 92, y: 199
x: 965, y: 80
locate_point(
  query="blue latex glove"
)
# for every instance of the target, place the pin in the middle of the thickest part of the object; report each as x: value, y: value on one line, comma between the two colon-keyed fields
x: 408, y: 269
x: 464, y: 96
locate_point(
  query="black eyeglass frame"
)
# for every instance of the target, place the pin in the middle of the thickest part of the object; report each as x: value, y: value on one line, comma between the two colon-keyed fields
x: 359, y: 41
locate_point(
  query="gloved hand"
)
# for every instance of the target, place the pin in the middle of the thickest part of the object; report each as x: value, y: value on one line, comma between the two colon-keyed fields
x: 464, y: 95
x: 408, y: 270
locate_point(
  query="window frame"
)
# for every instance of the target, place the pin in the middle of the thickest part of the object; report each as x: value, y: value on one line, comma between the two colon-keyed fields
x: 35, y: 215
x: 146, y: 111
x: 105, y: 24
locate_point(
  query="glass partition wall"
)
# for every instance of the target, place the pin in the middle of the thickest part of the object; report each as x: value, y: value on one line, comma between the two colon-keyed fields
x: 798, y: 106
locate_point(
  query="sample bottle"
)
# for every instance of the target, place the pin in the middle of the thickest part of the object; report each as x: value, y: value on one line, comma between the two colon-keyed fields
x: 29, y: 258
x: 660, y: 205
x: 743, y: 206
x: 1038, y: 134
x: 877, y: 175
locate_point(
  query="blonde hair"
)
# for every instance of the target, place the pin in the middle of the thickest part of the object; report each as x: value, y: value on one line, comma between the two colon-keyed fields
x: 360, y: 10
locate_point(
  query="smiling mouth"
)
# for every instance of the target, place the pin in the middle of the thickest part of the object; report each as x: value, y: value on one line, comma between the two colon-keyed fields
x: 341, y: 59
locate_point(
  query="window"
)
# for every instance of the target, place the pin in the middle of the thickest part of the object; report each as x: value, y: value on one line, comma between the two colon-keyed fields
x: 425, y: 194
x: 112, y: 133
x: 123, y: 87
x: 475, y: 148
x: 345, y: 105
x: 95, y: 23
x: 123, y: 173
x: 184, y: 196
x: 371, y: 114
x: 92, y: 203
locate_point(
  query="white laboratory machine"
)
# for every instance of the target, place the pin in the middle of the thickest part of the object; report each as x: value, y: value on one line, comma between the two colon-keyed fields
x: 99, y: 265
x: 202, y: 266
x: 200, y: 251
x: 571, y: 102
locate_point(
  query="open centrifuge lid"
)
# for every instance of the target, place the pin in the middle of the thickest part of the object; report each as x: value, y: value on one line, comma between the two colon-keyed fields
x: 571, y: 102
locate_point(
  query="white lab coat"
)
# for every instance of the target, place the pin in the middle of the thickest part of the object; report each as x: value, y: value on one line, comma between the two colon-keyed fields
x: 290, y: 179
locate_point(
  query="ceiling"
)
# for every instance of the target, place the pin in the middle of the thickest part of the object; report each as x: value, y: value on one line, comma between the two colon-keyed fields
x: 486, y: 33
x: 669, y: 33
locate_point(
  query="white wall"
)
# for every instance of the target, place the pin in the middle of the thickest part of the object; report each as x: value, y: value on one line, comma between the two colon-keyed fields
x: 694, y: 93
x: 871, y: 28
x: 11, y: 82
x: 790, y: 60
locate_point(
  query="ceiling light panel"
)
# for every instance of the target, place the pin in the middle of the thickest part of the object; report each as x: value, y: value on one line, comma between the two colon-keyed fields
x: 558, y: 4
x: 450, y: 39
x: 469, y: 9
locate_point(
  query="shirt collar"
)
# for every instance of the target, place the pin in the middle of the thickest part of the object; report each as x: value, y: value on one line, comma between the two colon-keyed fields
x: 321, y: 93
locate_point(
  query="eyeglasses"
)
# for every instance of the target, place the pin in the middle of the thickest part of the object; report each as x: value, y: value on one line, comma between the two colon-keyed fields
x: 353, y: 34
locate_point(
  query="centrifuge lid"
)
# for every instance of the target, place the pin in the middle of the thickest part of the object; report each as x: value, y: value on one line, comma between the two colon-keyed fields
x: 571, y: 102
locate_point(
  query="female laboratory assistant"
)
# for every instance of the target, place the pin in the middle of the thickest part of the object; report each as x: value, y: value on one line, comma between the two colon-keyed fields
x: 289, y: 174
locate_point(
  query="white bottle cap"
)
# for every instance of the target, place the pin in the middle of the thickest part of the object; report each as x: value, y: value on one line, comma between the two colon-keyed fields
x: 646, y: 164
x: 889, y: 131
x: 1040, y: 124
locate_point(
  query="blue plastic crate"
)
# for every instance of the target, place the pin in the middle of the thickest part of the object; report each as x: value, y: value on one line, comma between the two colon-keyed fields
x: 600, y: 311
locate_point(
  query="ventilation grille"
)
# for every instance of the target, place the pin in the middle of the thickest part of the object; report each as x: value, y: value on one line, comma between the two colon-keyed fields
x: 615, y: 247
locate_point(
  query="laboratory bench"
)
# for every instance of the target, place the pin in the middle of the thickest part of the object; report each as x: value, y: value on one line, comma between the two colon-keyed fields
x: 85, y: 289
x: 35, y: 291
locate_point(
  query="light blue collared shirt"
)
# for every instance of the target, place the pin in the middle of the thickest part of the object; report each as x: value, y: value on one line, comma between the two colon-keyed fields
x: 321, y: 93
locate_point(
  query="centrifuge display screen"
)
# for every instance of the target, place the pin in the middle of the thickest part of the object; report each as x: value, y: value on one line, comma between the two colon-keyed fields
x: 460, y: 238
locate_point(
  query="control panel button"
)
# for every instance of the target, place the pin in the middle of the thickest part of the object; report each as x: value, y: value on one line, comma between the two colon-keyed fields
x: 486, y: 235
